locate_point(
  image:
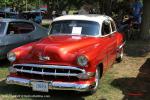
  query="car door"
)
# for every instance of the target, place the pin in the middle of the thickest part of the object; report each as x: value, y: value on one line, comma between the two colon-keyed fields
x: 113, y: 37
x: 110, y: 41
x: 17, y: 35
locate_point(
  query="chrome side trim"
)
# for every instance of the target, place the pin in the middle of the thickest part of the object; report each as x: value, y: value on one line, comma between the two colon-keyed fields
x: 52, y: 85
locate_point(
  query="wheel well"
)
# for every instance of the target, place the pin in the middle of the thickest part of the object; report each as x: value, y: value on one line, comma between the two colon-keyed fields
x: 100, y: 66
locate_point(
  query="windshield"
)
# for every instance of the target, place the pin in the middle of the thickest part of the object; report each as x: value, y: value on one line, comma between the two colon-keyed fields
x: 2, y: 27
x: 75, y: 27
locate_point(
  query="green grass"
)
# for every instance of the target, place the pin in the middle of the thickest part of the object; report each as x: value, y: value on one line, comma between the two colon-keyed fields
x: 3, y: 72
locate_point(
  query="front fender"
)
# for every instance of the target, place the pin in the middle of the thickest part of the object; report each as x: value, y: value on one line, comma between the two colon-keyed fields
x: 96, y: 55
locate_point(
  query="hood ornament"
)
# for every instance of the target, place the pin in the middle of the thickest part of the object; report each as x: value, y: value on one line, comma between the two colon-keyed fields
x: 44, y: 57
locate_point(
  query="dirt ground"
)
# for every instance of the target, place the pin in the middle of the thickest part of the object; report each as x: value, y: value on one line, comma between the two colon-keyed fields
x: 128, y: 80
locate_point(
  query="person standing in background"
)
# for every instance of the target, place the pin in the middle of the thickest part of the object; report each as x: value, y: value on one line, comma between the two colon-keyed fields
x: 85, y: 9
x: 137, y: 11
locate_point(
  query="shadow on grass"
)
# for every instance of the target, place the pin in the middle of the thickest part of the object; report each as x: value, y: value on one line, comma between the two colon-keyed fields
x: 137, y: 48
x: 136, y: 88
x: 21, y: 93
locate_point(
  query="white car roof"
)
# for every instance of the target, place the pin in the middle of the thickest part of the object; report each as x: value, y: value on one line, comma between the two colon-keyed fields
x: 90, y: 17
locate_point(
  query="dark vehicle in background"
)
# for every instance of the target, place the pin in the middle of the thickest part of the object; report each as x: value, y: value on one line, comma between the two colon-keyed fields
x: 35, y: 16
x: 4, y: 14
x: 16, y: 32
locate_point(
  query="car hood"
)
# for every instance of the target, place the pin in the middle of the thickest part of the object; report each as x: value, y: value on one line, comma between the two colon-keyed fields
x: 61, y: 48
x: 67, y: 43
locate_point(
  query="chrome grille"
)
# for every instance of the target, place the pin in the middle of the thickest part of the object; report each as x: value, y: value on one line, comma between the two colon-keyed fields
x: 48, y: 70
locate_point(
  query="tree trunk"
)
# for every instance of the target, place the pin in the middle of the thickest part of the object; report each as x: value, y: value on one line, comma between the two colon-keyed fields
x: 107, y: 7
x: 145, y: 29
x: 49, y: 8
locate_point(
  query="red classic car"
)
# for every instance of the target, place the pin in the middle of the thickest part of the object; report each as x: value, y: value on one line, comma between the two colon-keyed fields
x: 74, y: 56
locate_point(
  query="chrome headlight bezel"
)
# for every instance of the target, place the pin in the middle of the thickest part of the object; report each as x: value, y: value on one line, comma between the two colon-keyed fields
x: 11, y: 56
x: 82, y: 60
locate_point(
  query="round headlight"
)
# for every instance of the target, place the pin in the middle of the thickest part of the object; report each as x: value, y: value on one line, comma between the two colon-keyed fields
x: 11, y: 56
x: 82, y: 60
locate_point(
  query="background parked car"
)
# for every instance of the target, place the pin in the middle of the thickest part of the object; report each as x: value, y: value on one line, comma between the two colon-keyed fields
x: 35, y: 16
x: 4, y: 14
x: 16, y: 32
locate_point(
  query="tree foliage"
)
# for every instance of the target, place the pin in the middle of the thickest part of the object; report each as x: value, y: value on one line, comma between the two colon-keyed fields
x: 18, y: 4
x: 102, y: 6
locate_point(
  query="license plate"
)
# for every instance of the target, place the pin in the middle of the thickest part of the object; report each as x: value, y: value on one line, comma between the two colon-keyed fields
x: 40, y: 86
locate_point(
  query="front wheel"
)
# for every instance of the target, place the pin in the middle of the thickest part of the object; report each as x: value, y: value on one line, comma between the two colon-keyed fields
x: 97, y: 78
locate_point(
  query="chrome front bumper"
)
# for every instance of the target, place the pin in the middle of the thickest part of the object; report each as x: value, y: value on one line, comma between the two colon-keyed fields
x: 52, y: 85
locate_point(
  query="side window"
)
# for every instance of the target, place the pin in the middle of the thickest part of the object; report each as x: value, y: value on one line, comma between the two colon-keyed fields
x: 106, y: 28
x: 113, y: 26
x: 20, y: 28
x: 55, y: 28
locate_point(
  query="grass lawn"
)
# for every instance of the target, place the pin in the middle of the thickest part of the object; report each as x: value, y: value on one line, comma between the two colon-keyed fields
x: 3, y: 72
x: 128, y: 80
x: 3, y: 68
